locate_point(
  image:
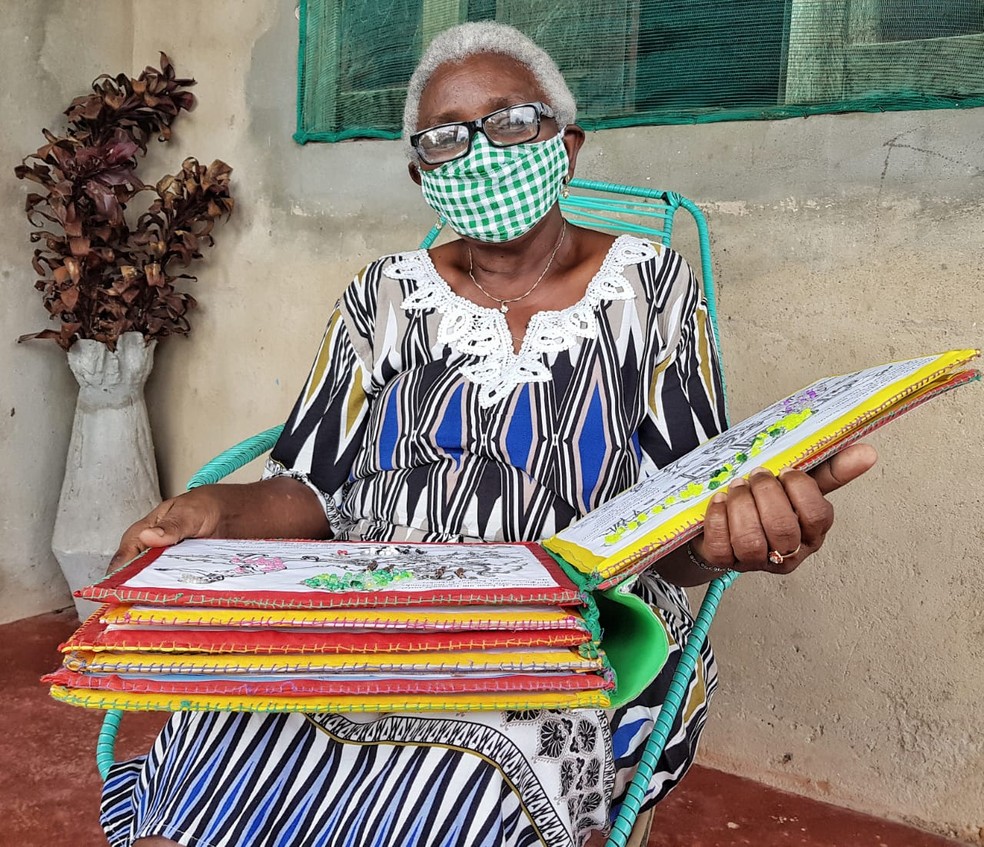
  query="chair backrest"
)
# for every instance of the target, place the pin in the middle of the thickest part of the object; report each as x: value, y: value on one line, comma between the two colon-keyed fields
x: 646, y: 212
x: 607, y: 206
x: 597, y: 205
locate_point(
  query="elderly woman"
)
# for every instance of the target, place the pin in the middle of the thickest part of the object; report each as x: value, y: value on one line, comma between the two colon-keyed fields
x: 494, y: 388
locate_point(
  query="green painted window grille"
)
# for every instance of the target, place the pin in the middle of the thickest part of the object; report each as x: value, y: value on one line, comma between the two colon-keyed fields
x: 634, y: 62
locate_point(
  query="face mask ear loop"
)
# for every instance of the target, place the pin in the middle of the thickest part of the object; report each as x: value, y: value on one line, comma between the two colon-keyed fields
x: 565, y: 190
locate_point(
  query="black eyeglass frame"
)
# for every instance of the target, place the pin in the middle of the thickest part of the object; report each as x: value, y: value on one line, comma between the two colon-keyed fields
x: 542, y: 110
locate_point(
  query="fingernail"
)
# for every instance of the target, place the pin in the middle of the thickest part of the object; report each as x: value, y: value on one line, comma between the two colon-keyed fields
x: 738, y: 483
x: 760, y: 471
x: 785, y: 472
x: 720, y: 497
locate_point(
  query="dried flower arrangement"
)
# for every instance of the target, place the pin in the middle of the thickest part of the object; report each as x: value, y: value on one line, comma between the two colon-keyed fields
x: 100, y: 275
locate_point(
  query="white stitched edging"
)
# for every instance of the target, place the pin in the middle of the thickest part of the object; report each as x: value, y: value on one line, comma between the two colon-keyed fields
x: 483, y: 333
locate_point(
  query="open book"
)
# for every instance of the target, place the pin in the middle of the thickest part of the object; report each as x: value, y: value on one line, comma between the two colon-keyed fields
x: 659, y: 513
x: 361, y: 626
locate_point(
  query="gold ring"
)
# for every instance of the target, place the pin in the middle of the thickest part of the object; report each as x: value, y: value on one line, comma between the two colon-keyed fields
x: 778, y: 558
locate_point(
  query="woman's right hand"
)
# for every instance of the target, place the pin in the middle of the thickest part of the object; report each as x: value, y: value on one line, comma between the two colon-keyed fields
x: 281, y: 507
x: 194, y: 514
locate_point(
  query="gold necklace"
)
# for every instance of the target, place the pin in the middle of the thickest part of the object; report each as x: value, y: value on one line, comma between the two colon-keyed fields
x: 504, y: 304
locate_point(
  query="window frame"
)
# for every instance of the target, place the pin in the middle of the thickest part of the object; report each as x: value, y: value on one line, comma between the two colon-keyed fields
x: 815, y: 76
x: 822, y: 73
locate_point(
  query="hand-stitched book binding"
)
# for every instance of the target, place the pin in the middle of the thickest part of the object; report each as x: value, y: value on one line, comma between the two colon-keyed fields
x: 629, y: 532
x: 338, y: 626
x: 362, y: 626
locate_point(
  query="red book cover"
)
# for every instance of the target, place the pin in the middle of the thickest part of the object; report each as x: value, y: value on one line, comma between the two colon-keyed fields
x: 93, y: 635
x: 301, y: 687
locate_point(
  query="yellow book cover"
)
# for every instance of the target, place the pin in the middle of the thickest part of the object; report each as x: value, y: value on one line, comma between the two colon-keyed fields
x: 504, y: 701
x: 412, y: 618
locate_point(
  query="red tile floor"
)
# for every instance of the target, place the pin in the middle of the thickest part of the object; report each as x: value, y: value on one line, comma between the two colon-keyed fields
x: 49, y: 785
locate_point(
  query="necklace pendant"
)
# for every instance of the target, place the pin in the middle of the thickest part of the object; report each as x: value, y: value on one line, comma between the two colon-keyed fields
x: 503, y: 308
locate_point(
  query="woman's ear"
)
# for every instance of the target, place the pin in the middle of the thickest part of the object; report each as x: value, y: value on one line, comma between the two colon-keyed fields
x: 414, y: 172
x: 573, y: 139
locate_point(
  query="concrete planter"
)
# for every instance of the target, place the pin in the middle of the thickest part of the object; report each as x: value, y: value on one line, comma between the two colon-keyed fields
x: 110, y: 474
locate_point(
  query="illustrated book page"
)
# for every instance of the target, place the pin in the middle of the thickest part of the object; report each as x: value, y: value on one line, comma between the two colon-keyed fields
x: 296, y: 574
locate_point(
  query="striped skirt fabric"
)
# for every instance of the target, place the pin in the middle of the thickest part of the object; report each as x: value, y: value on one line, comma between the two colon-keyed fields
x: 486, y: 779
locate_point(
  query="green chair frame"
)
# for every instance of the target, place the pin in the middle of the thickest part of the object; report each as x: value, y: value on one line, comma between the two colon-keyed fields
x: 612, y: 208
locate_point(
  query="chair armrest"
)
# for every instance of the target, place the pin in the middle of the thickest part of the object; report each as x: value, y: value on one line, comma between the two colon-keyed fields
x: 236, y: 457
x: 636, y: 792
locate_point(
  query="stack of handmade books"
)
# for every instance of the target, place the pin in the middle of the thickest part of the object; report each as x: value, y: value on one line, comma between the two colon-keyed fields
x: 356, y: 626
x: 330, y: 625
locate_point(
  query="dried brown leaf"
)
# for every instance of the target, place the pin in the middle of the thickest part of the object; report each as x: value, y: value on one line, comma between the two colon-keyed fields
x: 70, y: 298
x: 105, y: 275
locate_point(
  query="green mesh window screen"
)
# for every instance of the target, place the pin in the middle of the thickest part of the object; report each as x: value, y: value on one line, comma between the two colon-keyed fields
x: 632, y: 62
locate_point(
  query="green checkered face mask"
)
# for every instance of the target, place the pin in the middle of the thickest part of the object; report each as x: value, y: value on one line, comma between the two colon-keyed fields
x: 497, y: 193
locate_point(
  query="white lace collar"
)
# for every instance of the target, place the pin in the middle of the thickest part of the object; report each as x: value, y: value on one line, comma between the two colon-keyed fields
x: 482, y: 332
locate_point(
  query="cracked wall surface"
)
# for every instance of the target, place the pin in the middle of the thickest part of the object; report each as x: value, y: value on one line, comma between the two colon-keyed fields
x: 839, y: 242
x: 42, y: 69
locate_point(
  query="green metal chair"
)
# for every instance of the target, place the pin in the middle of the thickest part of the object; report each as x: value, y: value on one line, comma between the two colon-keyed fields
x: 612, y: 208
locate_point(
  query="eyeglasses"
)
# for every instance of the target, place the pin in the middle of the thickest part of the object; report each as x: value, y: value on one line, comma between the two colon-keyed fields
x: 503, y: 128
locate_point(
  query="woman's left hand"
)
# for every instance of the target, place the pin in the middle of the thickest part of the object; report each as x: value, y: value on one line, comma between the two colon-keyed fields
x: 769, y: 523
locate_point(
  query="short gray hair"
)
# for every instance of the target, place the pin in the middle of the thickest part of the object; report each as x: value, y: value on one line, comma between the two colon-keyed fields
x: 480, y: 38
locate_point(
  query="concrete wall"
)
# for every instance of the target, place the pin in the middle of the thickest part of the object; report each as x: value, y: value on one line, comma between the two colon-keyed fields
x: 839, y: 242
x: 42, y: 69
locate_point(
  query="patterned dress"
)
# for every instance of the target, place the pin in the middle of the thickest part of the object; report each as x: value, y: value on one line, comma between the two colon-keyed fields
x: 419, y: 422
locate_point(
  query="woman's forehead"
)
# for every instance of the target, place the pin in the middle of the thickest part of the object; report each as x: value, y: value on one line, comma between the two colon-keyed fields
x: 474, y: 87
